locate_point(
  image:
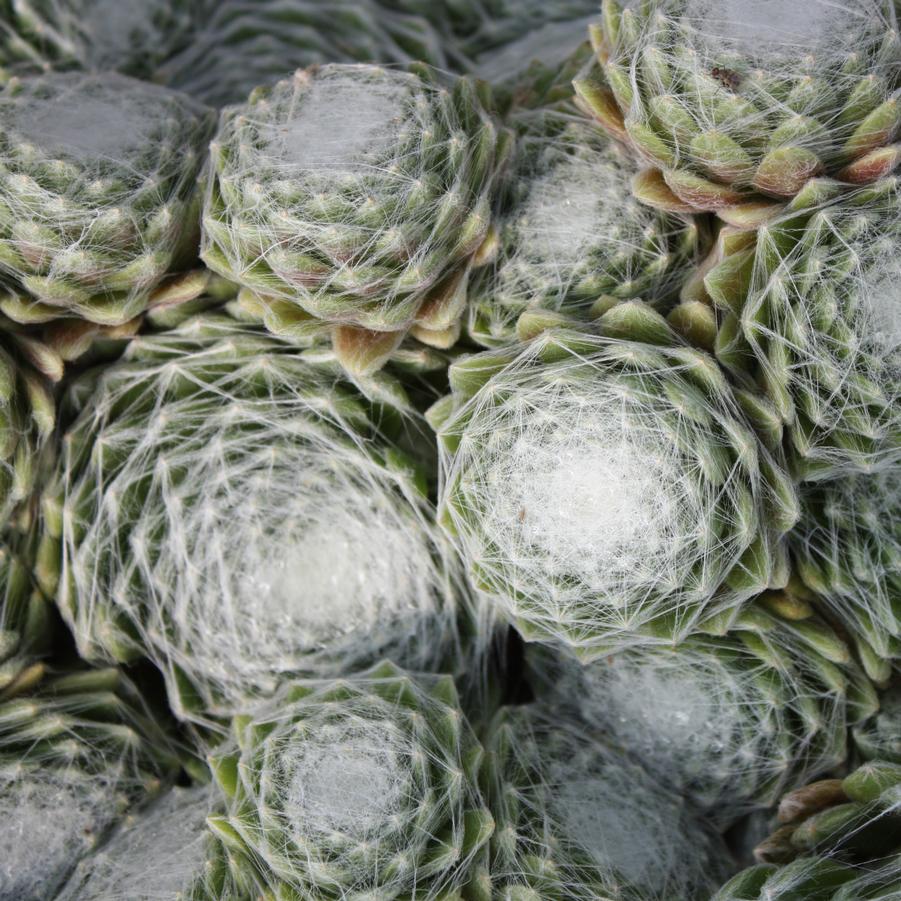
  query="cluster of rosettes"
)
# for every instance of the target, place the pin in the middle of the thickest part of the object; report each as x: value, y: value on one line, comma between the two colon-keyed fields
x: 243, y: 514
x: 673, y: 465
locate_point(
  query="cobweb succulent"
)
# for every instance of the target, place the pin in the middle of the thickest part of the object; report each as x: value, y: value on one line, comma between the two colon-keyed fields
x: 731, y: 721
x: 840, y: 840
x: 77, y: 749
x: 131, y: 36
x: 571, y: 235
x: 499, y: 485
x: 577, y: 819
x: 359, y: 196
x: 814, y: 297
x: 164, y: 852
x: 358, y: 788
x: 609, y: 492
x: 848, y: 549
x: 97, y: 193
x: 739, y: 102
x: 244, y: 44
x: 236, y: 510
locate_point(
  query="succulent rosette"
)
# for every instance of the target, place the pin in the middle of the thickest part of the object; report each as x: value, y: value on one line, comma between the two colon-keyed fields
x: 848, y: 550
x: 735, y: 105
x: 77, y: 749
x: 809, y: 308
x: 358, y: 196
x: 576, y: 819
x: 98, y: 194
x: 570, y: 235
x: 839, y: 840
x: 365, y: 787
x: 607, y: 490
x: 233, y: 508
x: 730, y: 721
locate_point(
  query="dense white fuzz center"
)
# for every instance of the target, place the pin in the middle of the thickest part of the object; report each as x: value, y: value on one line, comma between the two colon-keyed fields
x: 50, y: 820
x: 584, y: 487
x: 597, y: 817
x: 271, y: 555
x: 347, y: 779
x: 578, y: 204
x: 91, y: 118
x: 156, y: 856
x: 345, y: 566
x: 251, y: 528
x: 666, y: 711
x: 774, y: 30
x: 342, y: 122
x: 881, y: 329
x: 705, y: 728
x: 621, y: 826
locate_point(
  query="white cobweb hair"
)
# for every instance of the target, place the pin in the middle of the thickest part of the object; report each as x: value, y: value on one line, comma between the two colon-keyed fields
x: 571, y: 232
x: 774, y: 33
x: 596, y: 822
x: 597, y: 490
x: 52, y: 818
x: 362, y: 787
x: 848, y: 550
x: 157, y: 854
x: 356, y: 193
x: 278, y: 532
x: 824, y: 321
x: 730, y: 722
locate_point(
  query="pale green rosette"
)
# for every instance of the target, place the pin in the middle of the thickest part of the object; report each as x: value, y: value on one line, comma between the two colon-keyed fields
x: 358, y: 788
x: 737, y: 106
